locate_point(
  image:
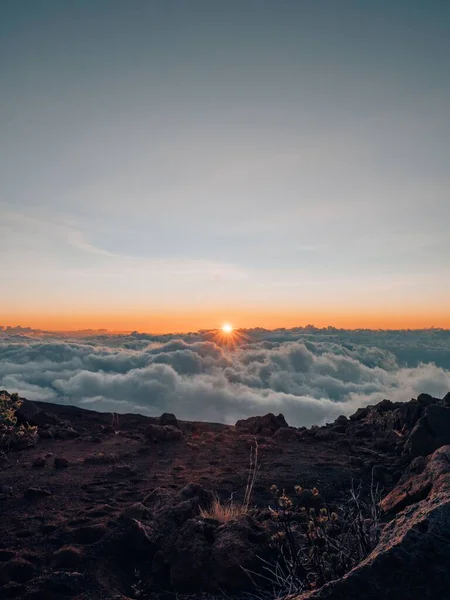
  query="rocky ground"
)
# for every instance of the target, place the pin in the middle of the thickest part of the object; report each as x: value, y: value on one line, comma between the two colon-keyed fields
x: 108, y: 506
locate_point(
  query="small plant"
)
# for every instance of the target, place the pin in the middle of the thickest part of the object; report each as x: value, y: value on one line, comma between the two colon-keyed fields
x: 13, y: 435
x: 230, y: 510
x: 313, y: 544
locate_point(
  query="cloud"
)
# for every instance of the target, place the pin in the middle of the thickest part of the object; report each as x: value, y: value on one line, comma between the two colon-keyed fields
x: 311, y: 375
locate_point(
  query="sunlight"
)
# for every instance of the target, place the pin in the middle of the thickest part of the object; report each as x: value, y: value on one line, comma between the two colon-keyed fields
x: 227, y: 328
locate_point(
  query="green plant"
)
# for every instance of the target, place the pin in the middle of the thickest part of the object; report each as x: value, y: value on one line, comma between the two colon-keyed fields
x: 13, y: 434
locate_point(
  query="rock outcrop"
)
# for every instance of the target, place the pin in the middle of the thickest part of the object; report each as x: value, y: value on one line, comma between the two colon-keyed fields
x: 430, y: 432
x: 411, y: 560
x: 265, y: 425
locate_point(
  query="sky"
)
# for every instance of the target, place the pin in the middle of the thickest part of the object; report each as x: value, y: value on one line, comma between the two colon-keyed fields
x: 171, y: 165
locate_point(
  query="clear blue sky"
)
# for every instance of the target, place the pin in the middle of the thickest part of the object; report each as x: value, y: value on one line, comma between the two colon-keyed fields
x: 235, y: 158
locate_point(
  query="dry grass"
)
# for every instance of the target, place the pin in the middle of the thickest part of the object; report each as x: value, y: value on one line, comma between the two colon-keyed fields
x: 228, y: 511
x: 223, y: 512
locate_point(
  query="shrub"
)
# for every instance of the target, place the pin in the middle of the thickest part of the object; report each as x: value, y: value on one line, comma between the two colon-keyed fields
x: 13, y: 435
x: 313, y: 544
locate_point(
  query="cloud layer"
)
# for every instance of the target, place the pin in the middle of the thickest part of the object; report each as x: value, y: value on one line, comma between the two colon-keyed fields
x: 311, y: 375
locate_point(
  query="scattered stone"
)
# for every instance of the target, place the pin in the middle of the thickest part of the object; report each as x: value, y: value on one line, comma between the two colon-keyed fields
x: 45, y: 434
x: 101, y: 458
x: 67, y: 433
x: 61, y: 463
x: 122, y: 471
x: 39, y: 462
x: 35, y: 492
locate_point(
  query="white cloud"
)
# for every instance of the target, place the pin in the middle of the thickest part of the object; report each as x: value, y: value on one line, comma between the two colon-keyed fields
x: 310, y: 375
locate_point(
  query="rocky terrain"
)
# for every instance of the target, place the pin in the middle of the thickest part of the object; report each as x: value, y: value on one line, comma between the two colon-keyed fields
x: 116, y: 506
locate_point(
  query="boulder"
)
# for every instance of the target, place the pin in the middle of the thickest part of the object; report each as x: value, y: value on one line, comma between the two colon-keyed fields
x: 431, y: 431
x: 67, y: 557
x: 412, y: 557
x: 17, y: 569
x: 158, y: 433
x: 168, y: 419
x: 266, y: 425
x: 26, y: 412
x: 190, y: 559
x: 286, y: 434
x: 240, y: 547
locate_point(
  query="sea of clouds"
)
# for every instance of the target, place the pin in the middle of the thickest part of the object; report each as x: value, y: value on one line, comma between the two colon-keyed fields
x: 310, y: 375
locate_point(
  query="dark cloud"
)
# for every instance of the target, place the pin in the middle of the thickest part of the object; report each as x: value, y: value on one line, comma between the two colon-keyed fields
x: 311, y: 375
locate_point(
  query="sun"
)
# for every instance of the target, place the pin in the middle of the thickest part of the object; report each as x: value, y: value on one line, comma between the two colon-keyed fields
x: 227, y: 328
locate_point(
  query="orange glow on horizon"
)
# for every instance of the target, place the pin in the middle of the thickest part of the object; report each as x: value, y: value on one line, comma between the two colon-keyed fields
x: 183, y: 321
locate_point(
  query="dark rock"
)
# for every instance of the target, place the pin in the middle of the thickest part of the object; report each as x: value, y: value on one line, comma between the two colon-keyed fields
x: 412, y: 557
x: 324, y: 435
x: 239, y: 546
x: 194, y: 491
x: 43, y: 418
x: 68, y: 557
x: 430, y: 432
x: 286, y: 434
x: 64, y: 583
x: 426, y: 400
x: 88, y: 534
x: 168, y: 419
x: 158, y: 433
x: 407, y: 415
x: 67, y: 433
x: 339, y: 428
x: 45, y: 434
x: 268, y: 424
x: 61, y: 463
x: 39, y: 462
x: 26, y: 412
x: 34, y: 492
x: 17, y: 569
x: 360, y: 414
x: 364, y: 430
x: 122, y: 472
x: 341, y: 420
x: 100, y: 458
x: 384, y: 445
x: 190, y: 558
x: 6, y: 555
x: 355, y: 461
x: 136, y: 511
x: 308, y: 499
